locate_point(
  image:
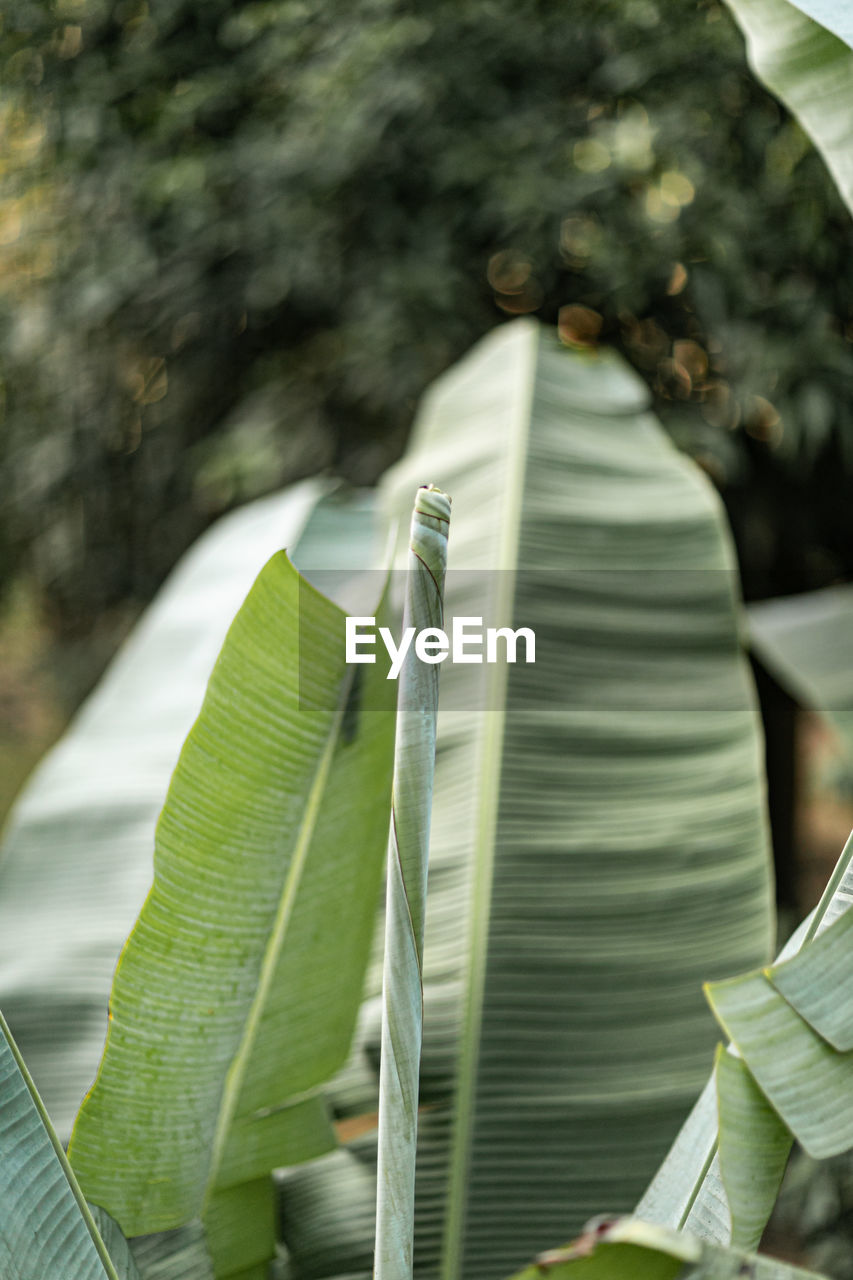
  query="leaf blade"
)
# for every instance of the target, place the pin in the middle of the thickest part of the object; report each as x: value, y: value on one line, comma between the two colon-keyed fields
x: 754, y: 1149
x: 545, y: 962
x: 808, y: 63
x: 46, y: 1228
x: 239, y: 869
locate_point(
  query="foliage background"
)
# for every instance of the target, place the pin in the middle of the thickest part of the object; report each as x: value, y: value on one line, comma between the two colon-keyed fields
x: 239, y: 238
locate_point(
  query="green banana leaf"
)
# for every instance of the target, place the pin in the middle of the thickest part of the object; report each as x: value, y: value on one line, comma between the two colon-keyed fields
x: 803, y: 54
x: 629, y: 1249
x: 181, y: 1254
x: 804, y: 641
x: 46, y: 1228
x: 599, y: 843
x: 835, y: 15
x: 791, y: 1024
x: 236, y: 993
x: 76, y: 859
x: 754, y: 1145
x: 793, y: 1068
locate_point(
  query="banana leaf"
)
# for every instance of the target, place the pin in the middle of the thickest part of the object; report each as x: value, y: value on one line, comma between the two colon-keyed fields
x: 754, y: 1145
x: 76, y: 859
x: 804, y: 53
x: 628, y: 1249
x: 80, y: 845
x: 46, y: 1227
x: 804, y: 641
x: 405, y: 899
x: 791, y: 1023
x: 236, y: 993
x: 599, y: 842
x: 796, y: 1071
x: 181, y: 1254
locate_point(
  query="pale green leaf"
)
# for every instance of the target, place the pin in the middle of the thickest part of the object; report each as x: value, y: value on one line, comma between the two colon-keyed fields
x: 818, y: 983
x: 808, y: 63
x: 46, y: 1228
x: 807, y: 1081
x: 181, y: 1254
x: 121, y: 1250
x: 754, y: 1149
x: 687, y: 1190
x: 405, y: 901
x: 804, y: 641
x: 77, y: 858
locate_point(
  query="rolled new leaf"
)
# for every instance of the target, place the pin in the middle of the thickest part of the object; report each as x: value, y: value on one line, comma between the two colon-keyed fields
x: 408, y: 844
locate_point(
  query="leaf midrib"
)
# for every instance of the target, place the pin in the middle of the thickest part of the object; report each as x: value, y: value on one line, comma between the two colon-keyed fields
x: 236, y: 1074
x: 489, y: 776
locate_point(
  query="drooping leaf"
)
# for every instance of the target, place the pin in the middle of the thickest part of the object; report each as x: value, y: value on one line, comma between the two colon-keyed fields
x: 803, y: 54
x: 805, y: 642
x: 754, y: 1149
x: 818, y: 983
x: 687, y: 1191
x: 236, y: 994
x: 804, y: 1077
x: 598, y: 843
x: 630, y: 1249
x: 46, y: 1228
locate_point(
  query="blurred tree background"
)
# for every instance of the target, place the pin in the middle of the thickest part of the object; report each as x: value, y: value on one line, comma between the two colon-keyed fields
x: 238, y: 239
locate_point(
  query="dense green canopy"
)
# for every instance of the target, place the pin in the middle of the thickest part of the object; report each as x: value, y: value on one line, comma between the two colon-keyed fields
x: 240, y: 238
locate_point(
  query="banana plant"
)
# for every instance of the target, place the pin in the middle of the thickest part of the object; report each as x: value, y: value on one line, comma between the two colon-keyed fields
x: 599, y: 813
x: 599, y: 844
